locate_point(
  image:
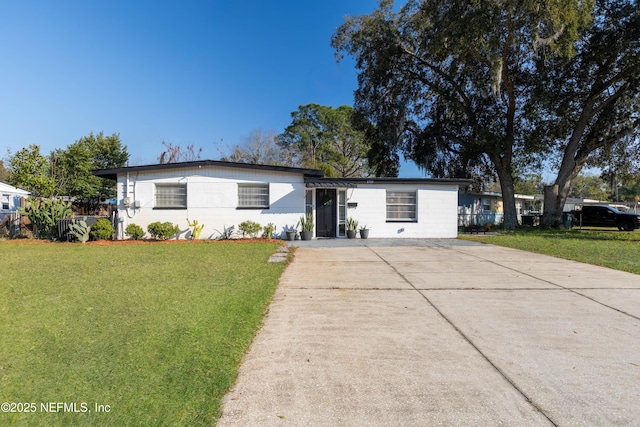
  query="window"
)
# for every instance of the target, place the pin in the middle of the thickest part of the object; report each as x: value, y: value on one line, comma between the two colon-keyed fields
x: 308, y: 200
x: 171, y: 196
x: 253, y: 196
x: 486, y: 205
x: 5, y: 201
x: 342, y: 213
x: 401, y: 206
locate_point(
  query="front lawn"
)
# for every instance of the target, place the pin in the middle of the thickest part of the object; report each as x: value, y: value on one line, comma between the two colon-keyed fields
x: 127, y: 334
x: 608, y: 248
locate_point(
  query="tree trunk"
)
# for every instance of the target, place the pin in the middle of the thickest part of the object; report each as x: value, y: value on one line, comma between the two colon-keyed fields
x: 575, y: 157
x: 553, y: 206
x: 508, y: 200
x: 555, y: 195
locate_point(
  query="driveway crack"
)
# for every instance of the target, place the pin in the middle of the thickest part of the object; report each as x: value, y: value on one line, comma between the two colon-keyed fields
x: 572, y: 290
x: 468, y: 339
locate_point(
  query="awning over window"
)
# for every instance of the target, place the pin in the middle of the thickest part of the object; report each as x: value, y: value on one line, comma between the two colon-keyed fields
x: 329, y: 183
x: 317, y: 182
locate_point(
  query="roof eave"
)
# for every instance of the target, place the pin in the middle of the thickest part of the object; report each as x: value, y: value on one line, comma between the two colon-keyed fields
x: 354, y: 182
x: 113, y: 173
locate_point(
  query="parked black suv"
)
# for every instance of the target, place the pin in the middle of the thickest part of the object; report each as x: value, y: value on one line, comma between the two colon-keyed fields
x: 605, y: 216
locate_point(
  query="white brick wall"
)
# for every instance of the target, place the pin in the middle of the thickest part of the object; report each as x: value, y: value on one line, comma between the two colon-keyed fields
x: 212, y: 199
x: 437, y: 209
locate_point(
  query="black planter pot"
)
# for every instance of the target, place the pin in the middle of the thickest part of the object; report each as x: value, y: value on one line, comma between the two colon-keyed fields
x: 364, y: 233
x: 291, y: 235
x: 306, y: 235
x: 351, y: 234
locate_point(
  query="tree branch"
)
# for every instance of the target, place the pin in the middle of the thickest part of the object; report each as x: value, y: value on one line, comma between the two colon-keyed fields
x: 463, y: 100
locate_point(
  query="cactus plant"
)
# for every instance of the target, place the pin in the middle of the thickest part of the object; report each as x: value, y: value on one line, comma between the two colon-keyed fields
x: 80, y: 230
x: 44, y: 214
x: 196, y: 228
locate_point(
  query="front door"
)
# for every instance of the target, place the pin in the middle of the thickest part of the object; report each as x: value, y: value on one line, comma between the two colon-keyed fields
x: 326, y: 212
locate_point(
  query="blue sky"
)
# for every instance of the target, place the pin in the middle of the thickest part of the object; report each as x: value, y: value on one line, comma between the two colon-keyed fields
x: 190, y: 72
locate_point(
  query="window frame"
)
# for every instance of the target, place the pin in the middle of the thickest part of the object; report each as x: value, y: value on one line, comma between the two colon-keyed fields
x: 398, y: 204
x: 342, y: 213
x: 5, y: 200
x: 246, y: 204
x: 485, y: 203
x: 166, y: 186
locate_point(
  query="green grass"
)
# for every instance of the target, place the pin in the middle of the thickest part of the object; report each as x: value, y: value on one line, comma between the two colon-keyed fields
x: 156, y: 331
x: 608, y: 248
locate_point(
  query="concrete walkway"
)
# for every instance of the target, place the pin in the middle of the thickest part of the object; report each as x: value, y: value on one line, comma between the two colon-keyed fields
x: 442, y: 333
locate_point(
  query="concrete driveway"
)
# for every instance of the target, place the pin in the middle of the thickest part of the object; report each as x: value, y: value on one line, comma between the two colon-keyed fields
x: 442, y: 333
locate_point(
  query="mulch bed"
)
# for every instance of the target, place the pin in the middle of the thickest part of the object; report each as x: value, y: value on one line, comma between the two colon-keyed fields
x: 135, y: 242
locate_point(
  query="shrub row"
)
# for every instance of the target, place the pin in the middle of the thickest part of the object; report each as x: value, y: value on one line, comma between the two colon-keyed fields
x: 165, y: 230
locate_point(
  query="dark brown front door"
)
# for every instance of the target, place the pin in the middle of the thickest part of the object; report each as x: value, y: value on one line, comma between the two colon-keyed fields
x: 326, y: 212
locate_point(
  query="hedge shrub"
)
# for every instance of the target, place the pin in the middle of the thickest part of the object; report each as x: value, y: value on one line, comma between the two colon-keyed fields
x: 134, y: 232
x: 162, y: 230
x: 102, y: 230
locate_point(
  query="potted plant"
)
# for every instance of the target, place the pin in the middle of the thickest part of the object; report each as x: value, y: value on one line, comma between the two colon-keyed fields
x: 290, y: 232
x: 364, y: 232
x: 306, y: 223
x: 352, y: 227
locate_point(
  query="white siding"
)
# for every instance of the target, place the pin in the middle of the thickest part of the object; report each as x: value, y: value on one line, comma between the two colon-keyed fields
x: 12, y: 195
x: 212, y: 199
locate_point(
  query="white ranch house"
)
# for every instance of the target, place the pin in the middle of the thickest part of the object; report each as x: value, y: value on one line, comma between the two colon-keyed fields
x: 223, y: 194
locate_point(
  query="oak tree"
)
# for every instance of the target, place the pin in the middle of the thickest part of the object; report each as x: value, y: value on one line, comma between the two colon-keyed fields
x: 589, y: 106
x: 449, y: 82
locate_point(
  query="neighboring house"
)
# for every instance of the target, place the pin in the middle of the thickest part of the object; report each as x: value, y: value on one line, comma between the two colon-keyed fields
x: 10, y: 197
x: 223, y: 194
x: 478, y: 208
